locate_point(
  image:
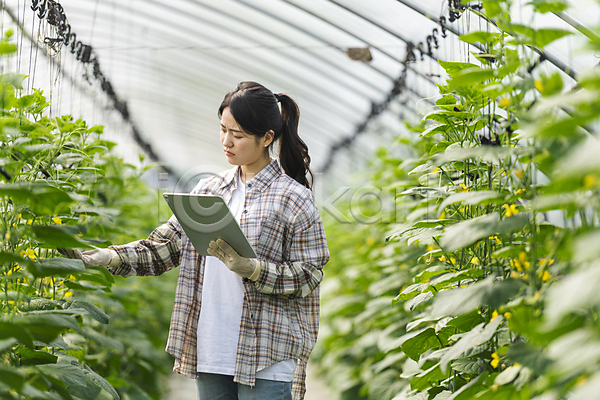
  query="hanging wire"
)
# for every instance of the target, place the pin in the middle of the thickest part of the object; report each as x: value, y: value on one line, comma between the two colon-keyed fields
x: 53, y: 13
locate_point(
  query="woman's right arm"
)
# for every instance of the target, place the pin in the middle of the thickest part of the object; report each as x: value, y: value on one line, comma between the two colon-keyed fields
x: 152, y: 256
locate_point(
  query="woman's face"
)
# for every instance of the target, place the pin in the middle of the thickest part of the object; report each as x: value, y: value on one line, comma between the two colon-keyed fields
x: 241, y: 148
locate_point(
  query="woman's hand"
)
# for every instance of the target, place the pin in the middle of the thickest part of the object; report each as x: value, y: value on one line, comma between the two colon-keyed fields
x: 93, y: 258
x: 244, y: 267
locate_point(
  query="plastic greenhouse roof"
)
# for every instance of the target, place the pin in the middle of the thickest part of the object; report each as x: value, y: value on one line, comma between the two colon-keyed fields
x: 172, y: 62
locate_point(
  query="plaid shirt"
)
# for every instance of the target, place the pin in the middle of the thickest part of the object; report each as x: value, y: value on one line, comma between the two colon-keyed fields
x: 280, y: 314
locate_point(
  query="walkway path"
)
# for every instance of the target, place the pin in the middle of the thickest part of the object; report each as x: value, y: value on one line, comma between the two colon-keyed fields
x: 185, y: 389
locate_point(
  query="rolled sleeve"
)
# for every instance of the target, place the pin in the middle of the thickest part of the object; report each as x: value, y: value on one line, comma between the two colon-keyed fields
x: 155, y: 255
x: 299, y: 276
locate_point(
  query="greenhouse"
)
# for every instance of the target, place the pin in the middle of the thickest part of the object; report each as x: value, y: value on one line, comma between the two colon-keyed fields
x: 435, y: 219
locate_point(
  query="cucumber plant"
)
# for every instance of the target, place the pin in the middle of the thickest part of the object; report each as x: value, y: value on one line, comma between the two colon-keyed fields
x: 489, y: 267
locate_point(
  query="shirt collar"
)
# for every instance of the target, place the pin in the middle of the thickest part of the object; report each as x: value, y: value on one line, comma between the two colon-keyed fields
x: 260, y: 180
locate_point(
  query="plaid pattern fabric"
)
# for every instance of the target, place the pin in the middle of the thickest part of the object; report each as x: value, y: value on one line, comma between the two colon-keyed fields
x: 280, y: 314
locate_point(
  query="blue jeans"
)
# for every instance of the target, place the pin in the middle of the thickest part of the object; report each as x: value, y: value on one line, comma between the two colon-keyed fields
x: 222, y: 387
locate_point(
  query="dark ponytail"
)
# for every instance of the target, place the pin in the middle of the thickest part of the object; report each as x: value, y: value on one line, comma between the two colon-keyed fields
x: 255, y: 109
x: 293, y: 153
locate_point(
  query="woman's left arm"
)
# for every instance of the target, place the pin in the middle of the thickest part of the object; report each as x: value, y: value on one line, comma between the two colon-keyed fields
x: 308, y: 254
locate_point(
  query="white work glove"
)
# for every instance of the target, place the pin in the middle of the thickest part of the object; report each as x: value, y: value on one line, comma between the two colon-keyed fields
x: 244, y: 267
x: 93, y: 258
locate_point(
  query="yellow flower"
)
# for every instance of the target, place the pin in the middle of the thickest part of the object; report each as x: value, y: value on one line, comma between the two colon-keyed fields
x: 463, y: 188
x: 57, y: 221
x: 69, y: 294
x: 581, y: 380
x: 495, y: 360
x: 430, y: 247
x: 494, y: 315
x: 514, y: 274
x: 546, y: 275
x: 443, y: 215
x: 520, y: 191
x: 498, y: 241
x: 504, y: 102
x: 436, y: 169
x: 539, y: 85
x: 442, y: 258
x: 523, y: 260
x: 7, y: 235
x: 475, y: 260
x: 29, y: 253
x: 546, y: 261
x: 29, y: 221
x: 590, y: 180
x: 519, y: 173
x: 516, y: 264
x: 19, y: 215
x: 510, y: 209
x: 507, y: 315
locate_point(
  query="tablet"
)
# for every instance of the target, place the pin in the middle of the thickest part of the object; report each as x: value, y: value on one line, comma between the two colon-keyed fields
x: 205, y: 218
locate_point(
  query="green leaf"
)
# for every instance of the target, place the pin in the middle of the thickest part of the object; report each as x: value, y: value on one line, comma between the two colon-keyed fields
x: 453, y: 68
x: 99, y: 381
x: 98, y: 337
x: 471, y: 198
x: 59, y: 236
x: 85, y: 286
x: 550, y: 84
x: 546, y: 6
x: 467, y: 321
x: 8, y: 48
x: 56, y: 266
x: 465, y: 233
x: 578, y: 290
x: 419, y: 344
x: 42, y: 199
x: 12, y: 377
x: 36, y: 357
x: 434, y: 129
x: 471, y: 76
x: 94, y: 311
x: 428, y: 378
x: 425, y: 192
x: 508, y: 375
x: 471, y: 339
x: 539, y: 37
x: 7, y: 344
x: 528, y: 356
x: 468, y: 366
x: 417, y: 300
x: 9, y: 330
x: 439, y: 147
x: 45, y: 327
x: 486, y: 292
x: 446, y: 100
x: 482, y: 37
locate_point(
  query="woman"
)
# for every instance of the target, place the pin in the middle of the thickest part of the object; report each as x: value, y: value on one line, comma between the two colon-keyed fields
x: 244, y: 328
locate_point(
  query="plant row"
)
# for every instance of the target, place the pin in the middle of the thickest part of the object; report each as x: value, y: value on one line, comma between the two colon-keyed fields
x: 483, y: 284
x: 67, y: 331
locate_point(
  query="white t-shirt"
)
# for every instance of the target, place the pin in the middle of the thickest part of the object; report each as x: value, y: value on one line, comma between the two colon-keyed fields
x: 221, y: 313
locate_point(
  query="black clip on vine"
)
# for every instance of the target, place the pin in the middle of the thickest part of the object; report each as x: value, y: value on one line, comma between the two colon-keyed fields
x: 443, y: 26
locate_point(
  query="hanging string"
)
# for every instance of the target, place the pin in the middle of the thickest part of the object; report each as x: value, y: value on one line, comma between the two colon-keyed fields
x: 54, y: 14
x: 426, y: 47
